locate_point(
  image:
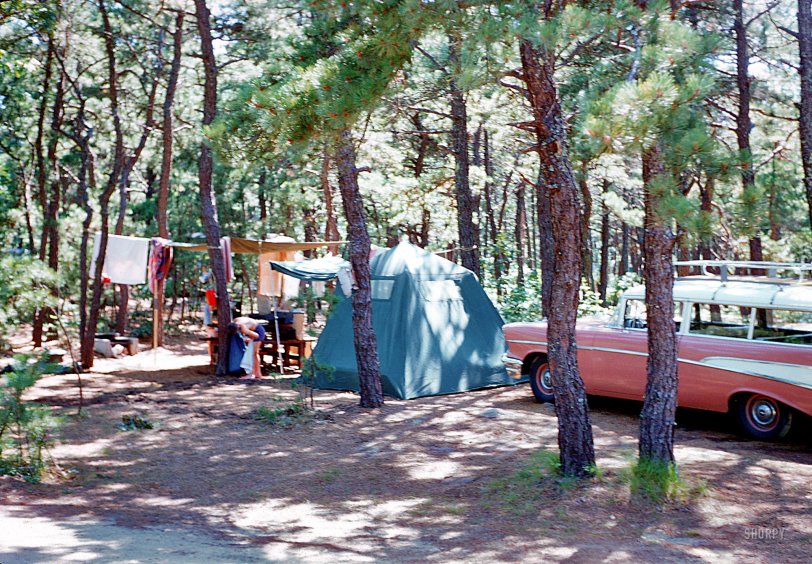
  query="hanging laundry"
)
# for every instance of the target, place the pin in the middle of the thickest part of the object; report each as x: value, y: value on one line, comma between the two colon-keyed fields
x: 225, y: 245
x: 125, y: 259
x: 274, y: 283
x: 160, y: 259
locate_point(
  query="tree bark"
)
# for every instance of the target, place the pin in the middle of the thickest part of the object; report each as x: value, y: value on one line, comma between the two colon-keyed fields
x: 49, y: 241
x: 574, y: 429
x: 490, y: 214
x: 603, y: 282
x: 546, y: 244
x: 706, y: 206
x: 743, y: 123
x: 467, y: 229
x: 166, y: 171
x: 519, y: 231
x: 805, y: 111
x: 331, y: 225
x: 366, y: 351
x: 586, y: 219
x: 116, y: 169
x: 42, y: 173
x: 657, y: 419
x: 208, y: 205
x: 623, y: 263
x: 167, y: 125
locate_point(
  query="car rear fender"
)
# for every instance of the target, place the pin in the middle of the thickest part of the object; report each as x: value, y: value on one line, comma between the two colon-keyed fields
x: 741, y: 393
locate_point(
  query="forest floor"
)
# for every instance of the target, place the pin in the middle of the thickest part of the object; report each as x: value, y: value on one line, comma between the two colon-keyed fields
x: 433, y: 479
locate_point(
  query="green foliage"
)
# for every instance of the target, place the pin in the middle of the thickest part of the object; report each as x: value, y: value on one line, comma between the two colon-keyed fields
x: 25, y: 286
x: 521, y: 302
x: 523, y: 491
x: 142, y: 328
x: 285, y: 415
x: 620, y: 285
x: 135, y: 423
x: 25, y: 427
x: 659, y: 482
x: 590, y: 302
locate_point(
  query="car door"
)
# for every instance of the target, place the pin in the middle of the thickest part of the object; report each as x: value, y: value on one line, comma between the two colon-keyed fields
x: 615, y: 362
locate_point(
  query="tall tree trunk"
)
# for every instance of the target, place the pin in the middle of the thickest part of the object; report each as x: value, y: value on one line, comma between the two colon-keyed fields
x: 546, y: 244
x: 743, y: 123
x: 657, y: 420
x: 167, y: 125
x: 574, y: 429
x: 706, y: 206
x: 805, y: 126
x: 519, y: 231
x: 87, y: 182
x: 586, y: 219
x: 262, y: 203
x: 331, y: 225
x: 117, y: 167
x: 366, y: 351
x: 490, y: 214
x: 603, y: 283
x: 49, y: 242
x: 208, y: 204
x: 623, y: 263
x: 42, y: 173
x: 466, y: 207
x: 166, y: 172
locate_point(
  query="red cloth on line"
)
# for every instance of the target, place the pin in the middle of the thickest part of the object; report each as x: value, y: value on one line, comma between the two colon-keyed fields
x: 160, y: 259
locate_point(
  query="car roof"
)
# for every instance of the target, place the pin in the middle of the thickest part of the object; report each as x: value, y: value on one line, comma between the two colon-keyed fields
x: 766, y: 293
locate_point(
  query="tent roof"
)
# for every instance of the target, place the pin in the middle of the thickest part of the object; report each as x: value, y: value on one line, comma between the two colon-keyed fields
x: 254, y: 246
x: 316, y: 270
x: 406, y: 257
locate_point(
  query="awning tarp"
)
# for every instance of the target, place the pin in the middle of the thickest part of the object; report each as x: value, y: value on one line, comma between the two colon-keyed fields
x: 317, y: 270
x: 256, y: 247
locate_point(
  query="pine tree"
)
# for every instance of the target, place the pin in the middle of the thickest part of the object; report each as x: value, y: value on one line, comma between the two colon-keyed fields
x: 658, y: 114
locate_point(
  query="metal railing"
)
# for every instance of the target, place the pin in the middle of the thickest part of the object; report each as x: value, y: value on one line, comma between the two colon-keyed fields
x: 770, y: 270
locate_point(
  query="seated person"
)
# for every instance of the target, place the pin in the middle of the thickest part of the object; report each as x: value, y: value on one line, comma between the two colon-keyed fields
x: 254, y: 330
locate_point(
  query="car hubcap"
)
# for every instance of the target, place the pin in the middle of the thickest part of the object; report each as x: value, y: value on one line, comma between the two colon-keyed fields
x: 547, y: 381
x: 763, y: 412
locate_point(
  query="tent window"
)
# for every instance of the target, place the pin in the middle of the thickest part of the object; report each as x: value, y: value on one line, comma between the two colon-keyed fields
x: 382, y: 289
x: 440, y: 290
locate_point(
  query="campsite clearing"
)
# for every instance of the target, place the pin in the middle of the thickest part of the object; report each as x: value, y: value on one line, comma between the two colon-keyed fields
x: 436, y: 478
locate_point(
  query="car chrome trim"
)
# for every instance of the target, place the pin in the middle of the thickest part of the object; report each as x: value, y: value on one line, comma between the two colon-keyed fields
x: 619, y: 351
x: 513, y: 366
x: 520, y: 342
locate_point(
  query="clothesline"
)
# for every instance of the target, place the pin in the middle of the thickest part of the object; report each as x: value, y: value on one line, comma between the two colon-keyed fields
x: 126, y: 258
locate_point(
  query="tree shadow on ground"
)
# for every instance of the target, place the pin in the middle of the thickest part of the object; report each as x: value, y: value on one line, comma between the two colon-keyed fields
x: 410, y: 481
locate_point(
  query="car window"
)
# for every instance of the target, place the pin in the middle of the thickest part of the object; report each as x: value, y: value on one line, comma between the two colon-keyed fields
x: 783, y: 326
x: 720, y: 320
x: 635, y: 315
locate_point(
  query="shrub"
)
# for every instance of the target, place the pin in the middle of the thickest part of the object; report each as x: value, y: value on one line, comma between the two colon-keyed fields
x: 25, y: 427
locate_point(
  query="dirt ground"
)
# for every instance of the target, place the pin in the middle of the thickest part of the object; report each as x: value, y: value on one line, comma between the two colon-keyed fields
x: 433, y: 479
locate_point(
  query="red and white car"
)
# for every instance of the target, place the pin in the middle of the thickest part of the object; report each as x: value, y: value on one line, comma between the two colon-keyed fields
x: 745, y: 347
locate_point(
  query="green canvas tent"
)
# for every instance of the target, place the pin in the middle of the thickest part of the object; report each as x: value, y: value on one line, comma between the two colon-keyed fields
x: 437, y: 331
